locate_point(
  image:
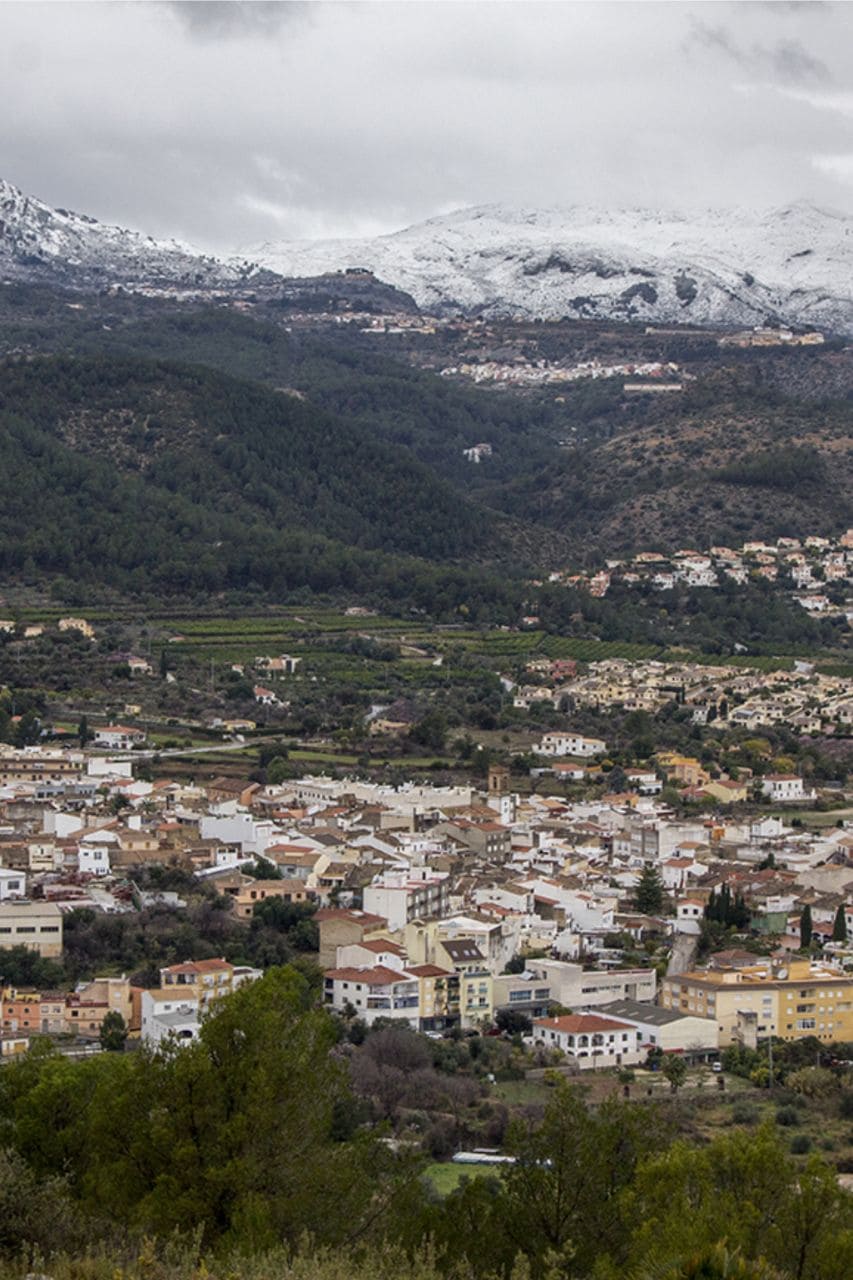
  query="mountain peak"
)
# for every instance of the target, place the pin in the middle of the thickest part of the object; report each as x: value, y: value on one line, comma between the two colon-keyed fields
x: 720, y: 267
x: 701, y: 266
x: 38, y: 242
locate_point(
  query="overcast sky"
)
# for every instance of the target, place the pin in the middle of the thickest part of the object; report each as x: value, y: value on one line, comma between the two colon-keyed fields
x: 229, y: 123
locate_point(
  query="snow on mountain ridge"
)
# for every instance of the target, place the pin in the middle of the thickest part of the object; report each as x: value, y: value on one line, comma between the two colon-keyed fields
x: 38, y: 241
x: 709, y: 266
x: 713, y: 266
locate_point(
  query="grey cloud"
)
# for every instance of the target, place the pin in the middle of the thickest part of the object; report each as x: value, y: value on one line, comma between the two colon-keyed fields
x: 786, y: 60
x: 716, y: 39
x: 226, y: 125
x: 793, y: 61
x: 222, y: 19
x: 797, y: 7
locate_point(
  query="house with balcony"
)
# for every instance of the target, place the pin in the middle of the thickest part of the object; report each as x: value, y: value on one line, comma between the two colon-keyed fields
x: 592, y: 1041
x: 400, y: 897
x: 373, y: 993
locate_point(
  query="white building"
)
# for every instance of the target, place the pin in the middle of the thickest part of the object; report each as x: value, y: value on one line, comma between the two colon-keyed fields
x: 251, y: 835
x: 570, y: 744
x: 783, y: 788
x: 593, y: 1041
x: 646, y: 781
x: 13, y: 884
x: 93, y: 859
x: 689, y: 913
x: 374, y: 993
x: 666, y: 1029
x: 403, y: 896
x: 118, y: 737
x: 576, y: 987
x: 167, y: 1015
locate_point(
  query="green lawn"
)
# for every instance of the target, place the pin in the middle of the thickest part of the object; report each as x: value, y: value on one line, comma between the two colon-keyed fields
x: 446, y: 1177
x: 519, y: 1093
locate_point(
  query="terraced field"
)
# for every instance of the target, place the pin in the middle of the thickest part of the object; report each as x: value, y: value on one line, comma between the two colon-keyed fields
x: 315, y: 634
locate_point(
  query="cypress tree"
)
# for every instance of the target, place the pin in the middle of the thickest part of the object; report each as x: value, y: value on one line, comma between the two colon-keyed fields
x: 839, y: 926
x: 806, y: 928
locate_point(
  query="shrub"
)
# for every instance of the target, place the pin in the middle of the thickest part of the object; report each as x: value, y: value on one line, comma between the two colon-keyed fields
x: 787, y: 1116
x: 801, y: 1144
x: 745, y: 1113
x: 813, y: 1082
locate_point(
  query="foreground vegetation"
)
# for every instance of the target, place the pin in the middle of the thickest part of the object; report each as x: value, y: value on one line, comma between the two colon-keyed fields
x: 249, y: 1149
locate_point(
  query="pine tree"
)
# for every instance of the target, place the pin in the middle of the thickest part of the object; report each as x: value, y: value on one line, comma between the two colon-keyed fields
x: 649, y: 897
x: 806, y: 928
x: 839, y: 927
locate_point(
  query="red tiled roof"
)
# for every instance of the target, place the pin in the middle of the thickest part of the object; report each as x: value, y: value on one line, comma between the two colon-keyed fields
x: 580, y: 1022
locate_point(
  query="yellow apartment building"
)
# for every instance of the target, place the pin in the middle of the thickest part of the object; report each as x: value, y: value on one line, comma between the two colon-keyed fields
x: 789, y: 999
x: 684, y: 769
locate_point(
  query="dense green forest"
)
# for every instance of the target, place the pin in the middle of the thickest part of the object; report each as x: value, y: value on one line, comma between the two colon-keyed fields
x: 285, y: 465
x: 151, y: 476
x: 583, y: 466
x: 251, y: 1148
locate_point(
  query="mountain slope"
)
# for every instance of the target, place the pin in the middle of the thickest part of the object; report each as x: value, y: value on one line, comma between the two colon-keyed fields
x: 156, y: 476
x: 432, y: 418
x: 717, y: 267
x: 711, y: 267
x: 61, y: 247
x: 733, y: 462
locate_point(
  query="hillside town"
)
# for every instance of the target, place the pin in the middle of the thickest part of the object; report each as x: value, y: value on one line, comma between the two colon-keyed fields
x: 722, y: 695
x: 531, y: 373
x: 817, y: 573
x: 600, y: 928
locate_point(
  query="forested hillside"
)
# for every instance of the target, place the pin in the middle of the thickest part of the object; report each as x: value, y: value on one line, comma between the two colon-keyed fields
x: 153, y: 476
x: 404, y: 406
x: 261, y: 438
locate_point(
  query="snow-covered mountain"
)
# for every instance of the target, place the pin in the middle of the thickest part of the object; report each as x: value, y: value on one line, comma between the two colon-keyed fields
x: 720, y: 267
x: 57, y: 246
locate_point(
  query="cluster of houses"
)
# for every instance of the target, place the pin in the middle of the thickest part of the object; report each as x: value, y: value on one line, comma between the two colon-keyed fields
x: 439, y: 907
x: 523, y: 372
x: 173, y: 1010
x: 803, y: 699
x: 806, y: 567
x: 768, y: 337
